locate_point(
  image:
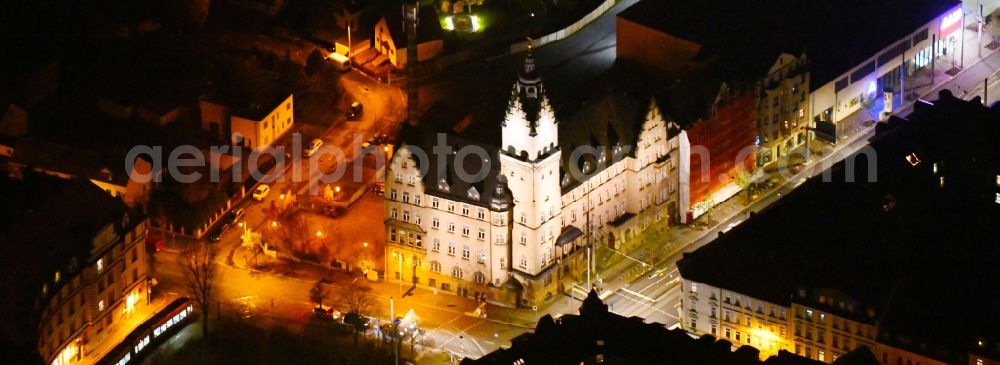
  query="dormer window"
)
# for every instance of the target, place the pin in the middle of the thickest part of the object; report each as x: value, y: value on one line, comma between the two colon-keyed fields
x: 472, y: 193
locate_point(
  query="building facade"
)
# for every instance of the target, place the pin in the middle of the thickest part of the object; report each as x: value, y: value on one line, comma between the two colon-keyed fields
x: 391, y: 38
x: 82, y: 279
x: 886, y: 70
x: 517, y: 234
x: 782, y: 108
x: 251, y: 121
x: 819, y: 324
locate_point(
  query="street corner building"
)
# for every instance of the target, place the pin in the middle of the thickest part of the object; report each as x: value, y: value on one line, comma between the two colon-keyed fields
x: 892, y: 249
x: 75, y: 269
x: 249, y: 119
x: 597, y: 336
x: 516, y: 236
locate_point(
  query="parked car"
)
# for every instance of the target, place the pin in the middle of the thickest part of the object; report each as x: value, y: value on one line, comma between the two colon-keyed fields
x: 154, y: 244
x: 355, y: 110
x: 216, y: 235
x: 261, y: 192
x: 235, y: 215
x: 342, y: 63
x: 326, y: 312
x: 313, y: 147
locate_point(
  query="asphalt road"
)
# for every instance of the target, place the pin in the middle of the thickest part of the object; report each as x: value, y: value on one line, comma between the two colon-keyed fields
x: 445, y: 318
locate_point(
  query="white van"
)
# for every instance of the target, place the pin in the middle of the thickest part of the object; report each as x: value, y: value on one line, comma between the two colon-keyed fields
x: 343, y: 63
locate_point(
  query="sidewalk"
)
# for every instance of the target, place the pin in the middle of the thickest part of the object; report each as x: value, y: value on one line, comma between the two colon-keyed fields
x: 857, y: 125
x: 124, y: 324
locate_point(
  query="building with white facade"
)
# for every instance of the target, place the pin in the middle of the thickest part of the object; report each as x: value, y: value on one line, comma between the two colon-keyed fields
x: 845, y: 261
x: 514, y: 231
x: 253, y: 120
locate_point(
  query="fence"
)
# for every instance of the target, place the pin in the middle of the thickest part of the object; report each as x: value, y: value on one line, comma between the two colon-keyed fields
x: 565, y: 32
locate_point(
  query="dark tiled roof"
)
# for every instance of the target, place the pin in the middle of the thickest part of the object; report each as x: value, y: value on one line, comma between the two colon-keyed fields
x: 56, y: 224
x: 885, y: 243
x: 576, y: 339
x: 568, y: 235
x: 440, y: 175
x: 71, y: 160
x: 252, y: 105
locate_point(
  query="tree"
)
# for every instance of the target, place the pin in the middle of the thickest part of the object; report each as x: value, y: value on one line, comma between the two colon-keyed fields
x: 318, y: 293
x: 358, y: 300
x: 314, y: 63
x: 743, y: 180
x: 199, y: 277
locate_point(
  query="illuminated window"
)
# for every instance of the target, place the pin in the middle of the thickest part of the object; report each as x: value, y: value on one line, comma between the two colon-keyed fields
x: 821, y: 356
x: 998, y: 198
x: 100, y: 265
x: 100, y: 305
x: 998, y: 180
x: 694, y: 287
x: 913, y: 159
x: 58, y: 276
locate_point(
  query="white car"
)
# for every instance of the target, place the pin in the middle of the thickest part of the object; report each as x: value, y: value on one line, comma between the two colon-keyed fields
x: 313, y: 147
x: 261, y: 192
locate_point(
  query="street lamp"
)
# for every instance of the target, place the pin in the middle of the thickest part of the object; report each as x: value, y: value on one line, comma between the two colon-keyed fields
x: 399, y: 259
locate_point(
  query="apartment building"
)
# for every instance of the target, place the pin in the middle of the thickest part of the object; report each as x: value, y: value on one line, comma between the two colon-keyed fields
x: 854, y: 263
x: 253, y: 120
x: 782, y: 108
x: 84, y: 270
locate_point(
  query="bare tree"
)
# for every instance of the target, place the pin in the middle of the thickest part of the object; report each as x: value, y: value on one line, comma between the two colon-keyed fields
x: 358, y: 300
x: 318, y: 293
x: 199, y: 276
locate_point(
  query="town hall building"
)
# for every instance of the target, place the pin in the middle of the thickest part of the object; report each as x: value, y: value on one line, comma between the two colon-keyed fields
x: 516, y: 233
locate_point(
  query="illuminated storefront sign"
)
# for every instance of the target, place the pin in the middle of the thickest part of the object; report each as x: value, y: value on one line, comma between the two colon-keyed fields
x: 951, y: 22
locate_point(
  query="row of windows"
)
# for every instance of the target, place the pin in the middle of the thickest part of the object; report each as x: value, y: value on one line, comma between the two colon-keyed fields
x: 466, y: 250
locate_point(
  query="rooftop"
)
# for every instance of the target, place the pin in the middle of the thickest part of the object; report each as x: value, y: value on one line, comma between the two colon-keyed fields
x: 739, y: 29
x: 48, y: 224
x: 926, y: 224
x: 597, y: 333
x: 252, y: 105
